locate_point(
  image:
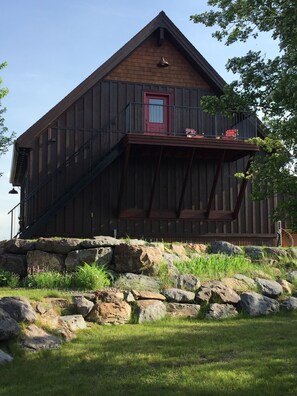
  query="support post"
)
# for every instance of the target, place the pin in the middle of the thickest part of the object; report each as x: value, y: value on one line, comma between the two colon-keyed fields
x: 181, y: 200
x: 214, y: 184
x: 157, y: 171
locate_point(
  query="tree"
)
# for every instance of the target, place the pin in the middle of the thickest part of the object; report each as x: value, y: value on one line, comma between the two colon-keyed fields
x: 5, y: 140
x: 266, y: 86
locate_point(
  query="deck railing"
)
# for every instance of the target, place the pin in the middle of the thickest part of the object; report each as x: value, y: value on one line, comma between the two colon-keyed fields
x: 176, y: 120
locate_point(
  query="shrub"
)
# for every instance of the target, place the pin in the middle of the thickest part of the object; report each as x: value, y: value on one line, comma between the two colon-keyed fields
x: 8, y: 279
x: 91, y: 277
x: 48, y: 280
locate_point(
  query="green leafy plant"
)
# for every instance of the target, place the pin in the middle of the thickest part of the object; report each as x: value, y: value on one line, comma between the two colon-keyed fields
x: 13, y: 281
x: 8, y: 279
x: 91, y: 277
x: 49, y: 280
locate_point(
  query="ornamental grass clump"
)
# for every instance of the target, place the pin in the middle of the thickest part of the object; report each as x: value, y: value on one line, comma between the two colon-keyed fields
x: 91, y: 277
x: 48, y: 280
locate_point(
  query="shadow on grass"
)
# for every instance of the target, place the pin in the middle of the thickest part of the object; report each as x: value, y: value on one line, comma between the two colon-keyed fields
x: 235, y: 357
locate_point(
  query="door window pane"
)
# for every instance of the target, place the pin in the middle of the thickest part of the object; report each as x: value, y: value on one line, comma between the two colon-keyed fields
x: 156, y: 112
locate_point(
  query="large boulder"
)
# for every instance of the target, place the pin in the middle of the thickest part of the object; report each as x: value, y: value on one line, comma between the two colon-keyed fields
x: 217, y: 292
x: 180, y: 251
x: 83, y: 305
x: 99, y: 241
x: 276, y: 253
x: 147, y: 295
x: 269, y: 288
x: 137, y: 259
x: 225, y: 248
x: 74, y: 322
x: 149, y: 310
x: 19, y: 308
x: 189, y: 282
x: 237, y: 285
x: 19, y: 246
x: 116, y: 312
x: 292, y: 276
x: 9, y: 327
x: 221, y: 311
x: 40, y: 260
x: 255, y: 304
x: 58, y: 245
x: 249, y: 281
x: 100, y: 256
x: 178, y: 310
x: 36, y: 339
x: 140, y: 282
x: 289, y: 304
x: 14, y: 263
x: 4, y: 357
x: 255, y: 253
x: 178, y: 295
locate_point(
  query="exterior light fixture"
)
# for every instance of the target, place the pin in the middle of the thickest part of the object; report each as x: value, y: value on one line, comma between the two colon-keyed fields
x: 13, y: 191
x: 163, y: 62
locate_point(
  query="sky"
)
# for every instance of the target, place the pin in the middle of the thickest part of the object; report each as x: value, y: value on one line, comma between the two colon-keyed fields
x: 52, y: 46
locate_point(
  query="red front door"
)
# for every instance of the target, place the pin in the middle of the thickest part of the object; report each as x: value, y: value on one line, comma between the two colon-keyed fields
x: 156, y: 113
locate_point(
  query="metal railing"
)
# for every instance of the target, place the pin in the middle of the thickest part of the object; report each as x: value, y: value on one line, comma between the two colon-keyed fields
x: 175, y: 120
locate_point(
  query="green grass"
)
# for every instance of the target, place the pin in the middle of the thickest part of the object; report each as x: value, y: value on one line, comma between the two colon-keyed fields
x: 218, y: 266
x: 234, y: 357
x: 34, y: 294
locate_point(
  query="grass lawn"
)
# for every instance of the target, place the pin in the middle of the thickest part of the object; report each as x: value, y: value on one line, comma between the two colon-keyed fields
x: 242, y: 356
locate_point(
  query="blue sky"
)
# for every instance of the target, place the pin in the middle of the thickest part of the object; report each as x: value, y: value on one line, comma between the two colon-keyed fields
x: 51, y: 46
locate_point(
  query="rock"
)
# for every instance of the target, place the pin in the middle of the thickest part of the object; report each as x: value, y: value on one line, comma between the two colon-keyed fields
x: 51, y: 320
x: 74, y: 322
x: 254, y: 304
x: 249, y: 281
x: 135, y: 242
x: 83, y: 305
x: 198, y: 247
x: 40, y: 308
x: 289, y: 304
x: 117, y: 312
x: 179, y: 251
x: 59, y: 302
x: 269, y: 288
x: 109, y: 295
x: 170, y: 258
x: 99, y: 241
x: 172, y: 271
x: 149, y: 310
x: 19, y: 246
x: 137, y: 259
x: 189, y: 282
x: 14, y: 263
x: 9, y: 327
x: 225, y: 248
x: 178, y: 295
x: 216, y: 291
x: 128, y: 297
x: 147, y: 295
x: 36, y: 339
x: 140, y: 282
x: 100, y: 256
x: 292, y: 253
x: 221, y: 311
x: 255, y: 253
x: 236, y: 284
x: 39, y: 260
x: 5, y: 358
x: 287, y: 286
x: 275, y: 253
x: 58, y: 245
x: 183, y: 310
x: 292, y: 276
x: 19, y: 308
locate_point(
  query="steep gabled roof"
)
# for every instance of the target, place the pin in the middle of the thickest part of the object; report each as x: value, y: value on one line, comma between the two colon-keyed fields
x: 161, y: 21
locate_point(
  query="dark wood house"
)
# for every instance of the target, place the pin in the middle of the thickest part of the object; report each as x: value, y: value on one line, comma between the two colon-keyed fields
x: 129, y: 152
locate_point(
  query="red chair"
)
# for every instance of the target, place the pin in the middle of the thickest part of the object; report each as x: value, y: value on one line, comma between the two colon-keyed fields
x: 231, y: 133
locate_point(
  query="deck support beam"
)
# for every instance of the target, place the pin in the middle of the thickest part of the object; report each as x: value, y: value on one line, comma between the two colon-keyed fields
x: 157, y: 172
x: 214, y: 184
x: 242, y: 188
x: 185, y: 182
x: 123, y: 178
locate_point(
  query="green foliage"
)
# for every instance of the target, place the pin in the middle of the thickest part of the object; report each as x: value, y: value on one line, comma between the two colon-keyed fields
x: 8, y: 279
x: 5, y: 140
x: 48, y: 280
x: 163, y: 275
x: 263, y: 85
x: 91, y: 277
x: 218, y: 266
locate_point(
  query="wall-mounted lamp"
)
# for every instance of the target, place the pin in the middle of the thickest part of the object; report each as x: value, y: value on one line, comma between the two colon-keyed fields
x: 13, y: 191
x: 163, y: 62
